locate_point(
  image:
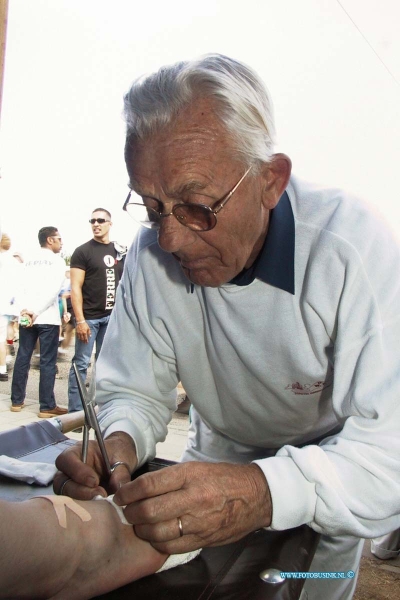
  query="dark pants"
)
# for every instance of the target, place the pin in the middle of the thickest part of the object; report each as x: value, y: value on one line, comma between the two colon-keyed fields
x: 48, y: 338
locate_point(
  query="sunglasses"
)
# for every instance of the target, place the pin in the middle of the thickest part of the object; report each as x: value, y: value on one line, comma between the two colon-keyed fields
x: 99, y: 221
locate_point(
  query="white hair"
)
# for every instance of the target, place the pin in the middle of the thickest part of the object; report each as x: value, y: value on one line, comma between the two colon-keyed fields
x: 241, y: 99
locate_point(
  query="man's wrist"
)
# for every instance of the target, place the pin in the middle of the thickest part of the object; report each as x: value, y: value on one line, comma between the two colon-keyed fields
x: 263, y: 493
x: 80, y: 322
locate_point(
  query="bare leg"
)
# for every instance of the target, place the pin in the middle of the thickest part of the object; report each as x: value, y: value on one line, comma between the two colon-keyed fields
x: 41, y: 559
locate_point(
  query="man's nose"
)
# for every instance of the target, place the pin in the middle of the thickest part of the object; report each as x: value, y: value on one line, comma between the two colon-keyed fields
x: 173, y: 236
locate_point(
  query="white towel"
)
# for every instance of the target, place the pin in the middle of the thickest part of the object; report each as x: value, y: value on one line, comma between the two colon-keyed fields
x: 174, y: 560
x: 30, y: 472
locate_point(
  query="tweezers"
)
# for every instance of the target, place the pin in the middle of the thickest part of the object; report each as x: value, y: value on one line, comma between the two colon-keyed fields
x: 91, y: 421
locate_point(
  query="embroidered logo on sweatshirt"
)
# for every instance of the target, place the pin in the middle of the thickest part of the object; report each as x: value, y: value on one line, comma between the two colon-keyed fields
x: 305, y: 389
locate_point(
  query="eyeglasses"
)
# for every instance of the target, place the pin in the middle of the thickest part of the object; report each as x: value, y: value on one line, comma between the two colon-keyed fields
x: 56, y: 237
x: 198, y: 217
x: 99, y: 221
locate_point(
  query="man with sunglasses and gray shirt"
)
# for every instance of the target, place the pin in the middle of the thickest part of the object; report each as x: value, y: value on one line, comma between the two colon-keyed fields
x: 96, y: 268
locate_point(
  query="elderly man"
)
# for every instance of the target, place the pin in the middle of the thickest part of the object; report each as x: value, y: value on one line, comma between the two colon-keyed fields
x: 277, y: 304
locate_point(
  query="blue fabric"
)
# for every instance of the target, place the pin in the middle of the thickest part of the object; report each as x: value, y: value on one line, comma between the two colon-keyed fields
x: 83, y: 352
x: 48, y: 338
x: 275, y: 263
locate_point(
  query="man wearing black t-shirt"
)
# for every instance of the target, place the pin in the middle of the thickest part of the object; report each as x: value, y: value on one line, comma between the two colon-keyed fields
x: 96, y: 268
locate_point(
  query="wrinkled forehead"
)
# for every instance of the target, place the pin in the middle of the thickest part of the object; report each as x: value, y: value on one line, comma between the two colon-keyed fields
x: 197, y: 132
x: 170, y: 166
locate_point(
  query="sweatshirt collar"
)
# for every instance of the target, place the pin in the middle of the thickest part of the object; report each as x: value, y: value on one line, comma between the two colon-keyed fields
x: 275, y: 262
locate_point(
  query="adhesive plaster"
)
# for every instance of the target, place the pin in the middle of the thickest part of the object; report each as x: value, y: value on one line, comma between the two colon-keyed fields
x: 60, y: 503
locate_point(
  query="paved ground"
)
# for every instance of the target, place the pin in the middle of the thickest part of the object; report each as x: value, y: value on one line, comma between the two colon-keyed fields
x: 378, y: 580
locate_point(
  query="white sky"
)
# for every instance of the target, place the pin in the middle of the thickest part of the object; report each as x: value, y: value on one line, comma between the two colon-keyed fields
x: 69, y: 62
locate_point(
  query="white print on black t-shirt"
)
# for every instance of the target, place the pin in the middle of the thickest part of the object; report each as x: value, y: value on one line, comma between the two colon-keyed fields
x: 109, y: 260
x: 110, y: 297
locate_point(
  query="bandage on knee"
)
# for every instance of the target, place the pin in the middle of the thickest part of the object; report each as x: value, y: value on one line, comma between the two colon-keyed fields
x: 119, y: 509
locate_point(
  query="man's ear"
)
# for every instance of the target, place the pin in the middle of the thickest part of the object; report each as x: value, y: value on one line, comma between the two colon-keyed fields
x: 275, y: 178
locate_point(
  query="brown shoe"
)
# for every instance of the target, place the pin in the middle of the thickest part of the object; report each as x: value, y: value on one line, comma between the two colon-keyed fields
x: 17, y: 407
x: 53, y: 412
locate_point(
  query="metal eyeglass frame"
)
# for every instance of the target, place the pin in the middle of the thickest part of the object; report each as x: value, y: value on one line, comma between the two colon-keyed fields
x: 207, y: 209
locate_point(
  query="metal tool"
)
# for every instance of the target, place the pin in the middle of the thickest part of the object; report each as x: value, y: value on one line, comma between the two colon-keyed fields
x: 91, y: 422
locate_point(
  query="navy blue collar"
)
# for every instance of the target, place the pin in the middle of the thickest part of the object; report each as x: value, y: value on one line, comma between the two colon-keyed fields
x: 275, y: 263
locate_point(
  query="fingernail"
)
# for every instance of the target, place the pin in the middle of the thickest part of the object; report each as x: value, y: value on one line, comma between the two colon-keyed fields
x: 91, y: 482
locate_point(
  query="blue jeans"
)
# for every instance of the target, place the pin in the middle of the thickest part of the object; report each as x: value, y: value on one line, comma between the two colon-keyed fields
x: 48, y: 338
x: 83, y: 352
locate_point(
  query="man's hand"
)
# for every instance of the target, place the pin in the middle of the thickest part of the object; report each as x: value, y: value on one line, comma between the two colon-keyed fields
x: 83, y: 332
x: 216, y: 504
x: 28, y: 313
x: 90, y: 479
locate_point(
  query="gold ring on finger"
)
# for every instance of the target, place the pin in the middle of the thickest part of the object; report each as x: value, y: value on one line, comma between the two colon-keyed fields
x: 180, y: 527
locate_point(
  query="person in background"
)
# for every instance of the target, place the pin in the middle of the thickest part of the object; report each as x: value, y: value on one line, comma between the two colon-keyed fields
x: 96, y: 268
x: 68, y: 319
x: 12, y: 330
x: 42, y: 277
x: 7, y: 294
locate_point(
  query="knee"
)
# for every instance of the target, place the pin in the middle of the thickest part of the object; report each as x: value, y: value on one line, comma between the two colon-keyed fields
x: 82, y: 362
